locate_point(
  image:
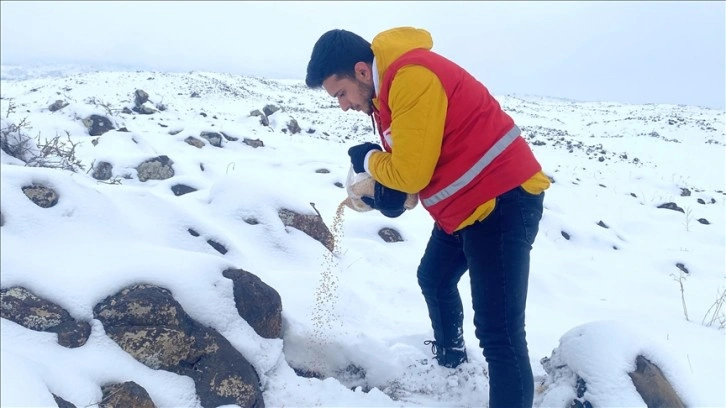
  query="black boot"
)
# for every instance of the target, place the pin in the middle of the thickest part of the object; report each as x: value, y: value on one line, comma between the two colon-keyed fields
x: 449, y: 357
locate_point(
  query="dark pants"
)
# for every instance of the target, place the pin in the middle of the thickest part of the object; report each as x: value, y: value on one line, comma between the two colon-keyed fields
x: 496, y: 253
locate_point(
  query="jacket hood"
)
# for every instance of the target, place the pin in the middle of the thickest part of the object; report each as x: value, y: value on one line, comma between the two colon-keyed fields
x: 391, y: 44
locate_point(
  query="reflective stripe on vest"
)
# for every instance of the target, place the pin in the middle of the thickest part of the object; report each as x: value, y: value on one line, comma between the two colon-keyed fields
x: 477, y: 168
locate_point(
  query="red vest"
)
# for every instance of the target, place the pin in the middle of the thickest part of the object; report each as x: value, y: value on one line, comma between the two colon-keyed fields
x: 482, y: 152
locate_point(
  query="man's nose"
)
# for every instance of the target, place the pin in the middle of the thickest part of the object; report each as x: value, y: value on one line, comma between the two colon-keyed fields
x: 344, y: 105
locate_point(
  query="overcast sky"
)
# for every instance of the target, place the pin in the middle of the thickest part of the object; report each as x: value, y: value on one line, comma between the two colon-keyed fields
x: 632, y: 52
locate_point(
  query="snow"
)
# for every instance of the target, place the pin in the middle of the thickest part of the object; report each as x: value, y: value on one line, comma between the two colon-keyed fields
x: 597, y: 306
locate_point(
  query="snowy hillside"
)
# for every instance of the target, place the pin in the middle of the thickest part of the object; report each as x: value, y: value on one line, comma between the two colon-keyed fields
x: 181, y: 183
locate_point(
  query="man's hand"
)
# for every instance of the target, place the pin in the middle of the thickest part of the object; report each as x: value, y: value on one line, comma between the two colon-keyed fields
x: 388, y: 201
x: 358, y: 155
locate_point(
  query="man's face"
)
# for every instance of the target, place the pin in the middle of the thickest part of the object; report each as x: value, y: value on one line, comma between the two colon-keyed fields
x: 352, y: 93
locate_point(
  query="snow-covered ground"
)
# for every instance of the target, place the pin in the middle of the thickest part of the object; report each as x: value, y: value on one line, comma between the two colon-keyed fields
x: 604, y: 283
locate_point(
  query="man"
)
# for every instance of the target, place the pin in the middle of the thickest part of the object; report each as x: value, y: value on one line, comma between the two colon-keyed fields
x: 447, y: 139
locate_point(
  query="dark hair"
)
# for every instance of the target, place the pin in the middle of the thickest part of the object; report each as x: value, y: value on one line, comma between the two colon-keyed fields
x: 336, y: 53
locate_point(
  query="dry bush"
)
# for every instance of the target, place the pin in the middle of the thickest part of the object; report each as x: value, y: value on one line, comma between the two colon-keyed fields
x: 715, y: 315
x: 55, y: 153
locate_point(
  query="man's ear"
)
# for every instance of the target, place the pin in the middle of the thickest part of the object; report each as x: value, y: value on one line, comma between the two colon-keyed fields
x: 363, y: 71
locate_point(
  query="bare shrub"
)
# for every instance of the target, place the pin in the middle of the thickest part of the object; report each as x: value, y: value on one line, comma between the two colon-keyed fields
x: 15, y: 141
x: 105, y: 105
x: 55, y: 153
x: 715, y: 315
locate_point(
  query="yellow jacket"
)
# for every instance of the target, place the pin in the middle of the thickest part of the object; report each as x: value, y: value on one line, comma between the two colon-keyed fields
x: 419, y: 105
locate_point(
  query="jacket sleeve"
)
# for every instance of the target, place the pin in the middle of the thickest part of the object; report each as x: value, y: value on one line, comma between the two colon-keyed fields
x: 418, y: 105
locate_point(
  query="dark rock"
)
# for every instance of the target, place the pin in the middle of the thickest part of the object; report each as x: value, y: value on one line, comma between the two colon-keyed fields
x: 97, y: 125
x: 57, y: 105
x: 602, y: 224
x: 144, y: 110
x: 671, y: 206
x: 566, y: 235
x: 127, y: 111
x: 228, y: 137
x: 306, y: 373
x: 293, y: 126
x: 191, y: 140
x: 193, y: 232
x: 19, y: 305
x: 195, y: 95
x: 311, y: 224
x: 251, y: 221
x: 203, y: 114
x: 652, y: 385
x: 682, y: 268
x: 72, y: 334
x: 700, y: 201
x: 140, y: 97
x: 128, y: 394
x: 270, y: 109
x: 2, y: 219
x: 157, y: 168
x: 338, y: 184
x: 102, y: 171
x: 217, y: 246
x: 633, y: 195
x: 214, y: 138
x: 258, y: 303
x: 255, y: 143
x: 224, y: 376
x: 141, y: 305
x: 42, y: 196
x: 149, y: 324
x: 163, y: 125
x: 390, y: 235
x: 264, y: 120
x: 175, y: 132
x: 61, y: 402
x: 322, y: 171
x: 685, y: 192
x: 181, y: 189
x: 704, y: 221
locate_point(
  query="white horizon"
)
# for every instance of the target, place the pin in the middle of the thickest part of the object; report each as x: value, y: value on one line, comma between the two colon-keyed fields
x: 628, y: 52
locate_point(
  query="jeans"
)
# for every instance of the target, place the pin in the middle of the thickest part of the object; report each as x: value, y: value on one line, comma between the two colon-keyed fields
x: 496, y: 253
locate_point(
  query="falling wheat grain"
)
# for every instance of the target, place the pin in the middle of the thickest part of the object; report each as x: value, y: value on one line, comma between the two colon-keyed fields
x: 326, y: 295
